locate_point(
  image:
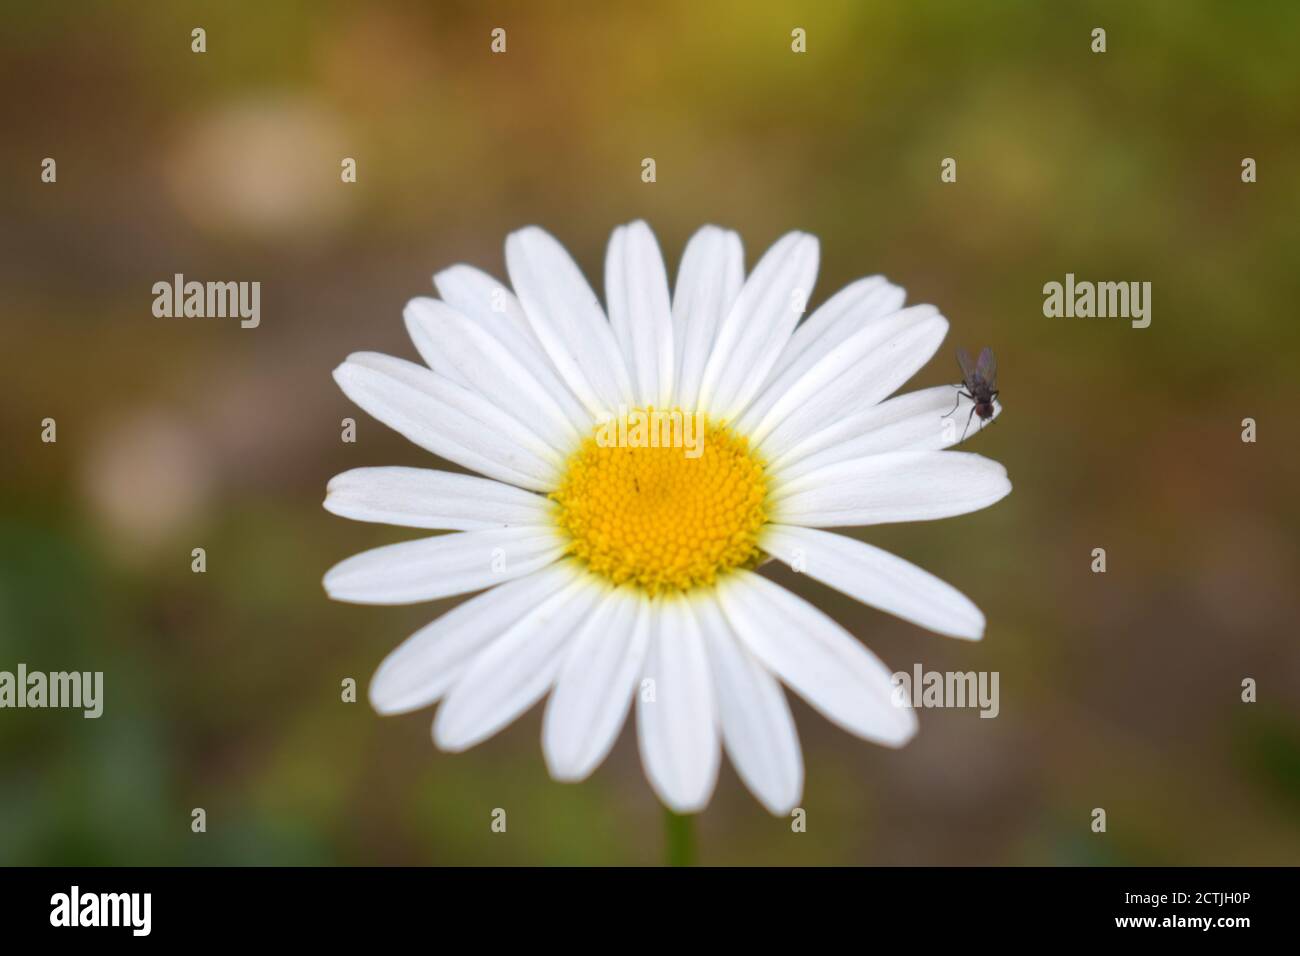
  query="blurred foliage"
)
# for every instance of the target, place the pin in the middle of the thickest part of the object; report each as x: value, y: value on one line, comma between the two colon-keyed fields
x: 222, y: 690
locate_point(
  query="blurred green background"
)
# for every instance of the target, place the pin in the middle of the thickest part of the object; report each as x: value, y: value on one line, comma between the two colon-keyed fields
x: 1119, y: 691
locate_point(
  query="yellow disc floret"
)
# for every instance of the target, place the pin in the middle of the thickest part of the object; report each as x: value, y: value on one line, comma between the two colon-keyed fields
x: 640, y: 507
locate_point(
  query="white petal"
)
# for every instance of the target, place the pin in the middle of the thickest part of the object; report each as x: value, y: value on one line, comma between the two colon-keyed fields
x: 636, y: 290
x: 759, y: 324
x: 438, y: 567
x: 857, y: 374
x: 757, y: 727
x: 874, y: 344
x: 424, y: 498
x: 567, y: 319
x: 677, y: 726
x: 491, y: 368
x: 516, y: 670
x: 816, y: 658
x: 434, y: 351
x: 876, y: 577
x: 594, y: 691
x: 708, y: 281
x: 898, y: 486
x: 486, y: 300
x: 448, y: 420
x: 930, y: 419
x: 430, y: 661
x: 846, y: 312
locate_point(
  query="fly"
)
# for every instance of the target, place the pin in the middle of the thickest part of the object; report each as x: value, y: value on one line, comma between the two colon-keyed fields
x: 979, y: 383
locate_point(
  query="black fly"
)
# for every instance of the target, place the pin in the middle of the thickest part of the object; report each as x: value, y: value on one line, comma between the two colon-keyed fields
x: 979, y: 383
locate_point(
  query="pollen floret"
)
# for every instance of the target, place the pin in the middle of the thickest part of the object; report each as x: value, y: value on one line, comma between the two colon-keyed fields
x: 660, y: 518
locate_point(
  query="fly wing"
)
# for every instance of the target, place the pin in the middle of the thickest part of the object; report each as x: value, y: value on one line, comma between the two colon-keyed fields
x: 967, y: 367
x: 987, y: 368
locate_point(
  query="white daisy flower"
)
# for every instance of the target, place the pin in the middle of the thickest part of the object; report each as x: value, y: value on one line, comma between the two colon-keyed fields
x: 618, y: 574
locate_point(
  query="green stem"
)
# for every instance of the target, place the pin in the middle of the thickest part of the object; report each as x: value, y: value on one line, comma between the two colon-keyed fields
x: 679, y: 839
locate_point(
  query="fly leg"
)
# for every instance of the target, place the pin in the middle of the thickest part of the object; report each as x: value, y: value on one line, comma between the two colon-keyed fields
x: 960, y: 396
x: 968, y: 418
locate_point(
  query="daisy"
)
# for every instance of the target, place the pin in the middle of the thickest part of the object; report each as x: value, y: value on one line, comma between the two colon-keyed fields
x: 620, y: 576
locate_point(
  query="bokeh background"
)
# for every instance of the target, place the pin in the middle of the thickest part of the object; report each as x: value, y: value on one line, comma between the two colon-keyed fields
x: 1118, y: 690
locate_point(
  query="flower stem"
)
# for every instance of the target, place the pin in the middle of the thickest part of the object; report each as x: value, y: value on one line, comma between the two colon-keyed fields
x: 679, y: 839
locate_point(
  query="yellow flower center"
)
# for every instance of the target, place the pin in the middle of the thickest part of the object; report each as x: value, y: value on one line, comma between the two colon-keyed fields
x: 663, y: 513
